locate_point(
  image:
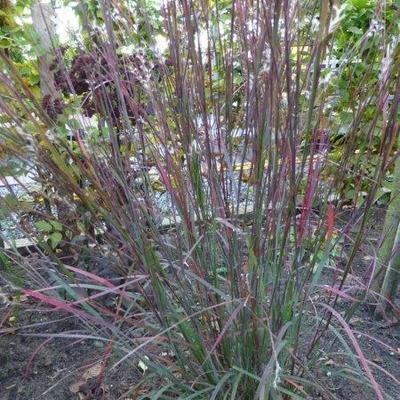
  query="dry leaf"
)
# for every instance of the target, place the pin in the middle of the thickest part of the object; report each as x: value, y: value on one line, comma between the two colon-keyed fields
x: 92, y: 372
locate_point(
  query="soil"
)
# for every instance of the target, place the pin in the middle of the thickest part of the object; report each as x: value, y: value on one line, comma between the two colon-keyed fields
x: 386, y: 356
x: 379, y: 340
x: 61, y: 368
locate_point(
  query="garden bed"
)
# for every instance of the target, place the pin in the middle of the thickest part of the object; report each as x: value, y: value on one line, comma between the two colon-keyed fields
x: 67, y: 369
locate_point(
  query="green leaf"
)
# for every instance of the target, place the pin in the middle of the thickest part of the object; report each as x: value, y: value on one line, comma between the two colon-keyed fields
x: 55, y: 239
x: 359, y: 4
x: 56, y: 225
x: 44, y: 226
x: 355, y: 30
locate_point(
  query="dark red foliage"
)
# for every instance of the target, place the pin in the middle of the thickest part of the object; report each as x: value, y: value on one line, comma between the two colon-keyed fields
x: 91, y: 76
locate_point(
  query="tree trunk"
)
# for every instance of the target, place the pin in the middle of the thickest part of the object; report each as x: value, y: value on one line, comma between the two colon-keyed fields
x: 390, y: 281
x: 43, y: 22
x: 387, y: 274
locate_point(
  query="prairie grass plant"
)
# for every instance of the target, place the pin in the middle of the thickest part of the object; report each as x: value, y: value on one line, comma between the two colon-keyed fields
x: 185, y: 189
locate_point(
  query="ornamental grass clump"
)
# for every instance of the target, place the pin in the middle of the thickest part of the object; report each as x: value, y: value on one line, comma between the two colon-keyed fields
x: 191, y: 194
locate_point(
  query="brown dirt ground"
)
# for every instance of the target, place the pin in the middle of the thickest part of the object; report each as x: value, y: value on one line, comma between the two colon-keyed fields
x: 56, y: 372
x: 385, y: 331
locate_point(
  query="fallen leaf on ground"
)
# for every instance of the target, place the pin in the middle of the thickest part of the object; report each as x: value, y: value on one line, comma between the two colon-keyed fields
x: 92, y: 372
